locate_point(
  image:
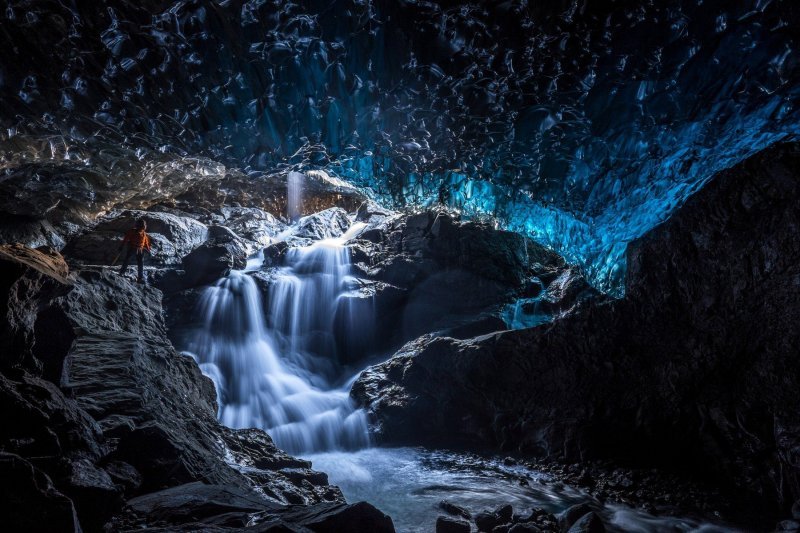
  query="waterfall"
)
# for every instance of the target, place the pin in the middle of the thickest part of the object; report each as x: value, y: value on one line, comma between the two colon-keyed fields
x: 278, y: 372
x: 294, y: 195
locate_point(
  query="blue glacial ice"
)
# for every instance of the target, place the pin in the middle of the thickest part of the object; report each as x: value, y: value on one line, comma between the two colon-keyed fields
x: 581, y: 124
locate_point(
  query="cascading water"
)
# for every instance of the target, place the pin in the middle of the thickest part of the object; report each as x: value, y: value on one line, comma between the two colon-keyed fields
x: 280, y: 374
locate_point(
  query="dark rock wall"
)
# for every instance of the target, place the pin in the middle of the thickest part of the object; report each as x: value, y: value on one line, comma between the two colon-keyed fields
x: 431, y: 272
x: 99, y: 409
x: 697, y: 366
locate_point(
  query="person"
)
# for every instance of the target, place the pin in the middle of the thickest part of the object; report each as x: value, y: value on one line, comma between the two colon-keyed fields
x: 137, y: 241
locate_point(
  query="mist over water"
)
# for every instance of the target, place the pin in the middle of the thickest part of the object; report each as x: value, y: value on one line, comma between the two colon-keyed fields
x: 281, y: 374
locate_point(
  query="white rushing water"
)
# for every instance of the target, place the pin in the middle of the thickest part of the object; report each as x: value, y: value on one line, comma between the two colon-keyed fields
x: 280, y: 374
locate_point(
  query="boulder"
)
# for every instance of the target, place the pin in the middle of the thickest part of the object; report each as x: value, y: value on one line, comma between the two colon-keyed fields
x: 489, y: 520
x: 214, y: 259
x: 454, y: 510
x: 588, y: 523
x: 332, y: 518
x: 419, y: 264
x: 195, y: 503
x: 172, y: 237
x: 275, y: 254
x: 326, y: 224
x: 373, y: 214
x: 34, y: 232
x: 252, y: 224
x: 571, y: 515
x: 445, y: 524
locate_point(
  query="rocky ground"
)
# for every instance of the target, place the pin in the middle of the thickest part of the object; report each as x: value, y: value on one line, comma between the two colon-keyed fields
x: 696, y: 367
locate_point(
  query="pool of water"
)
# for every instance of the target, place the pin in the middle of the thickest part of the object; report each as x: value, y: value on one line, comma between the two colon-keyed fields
x: 408, y: 484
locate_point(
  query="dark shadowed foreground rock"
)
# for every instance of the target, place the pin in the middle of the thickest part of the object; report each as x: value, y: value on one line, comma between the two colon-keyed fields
x: 196, y: 507
x: 30, y: 488
x: 697, y: 366
x: 100, y: 411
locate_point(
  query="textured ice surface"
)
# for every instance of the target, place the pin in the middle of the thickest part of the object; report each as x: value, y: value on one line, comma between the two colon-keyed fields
x: 580, y: 123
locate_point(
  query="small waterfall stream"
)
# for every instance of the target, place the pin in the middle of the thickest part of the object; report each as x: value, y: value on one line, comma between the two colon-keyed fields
x: 280, y: 373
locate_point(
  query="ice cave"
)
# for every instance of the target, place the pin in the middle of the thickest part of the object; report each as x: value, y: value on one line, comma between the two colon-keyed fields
x: 400, y: 265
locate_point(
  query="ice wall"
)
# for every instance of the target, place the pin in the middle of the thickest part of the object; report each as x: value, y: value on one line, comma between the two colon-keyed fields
x: 580, y: 123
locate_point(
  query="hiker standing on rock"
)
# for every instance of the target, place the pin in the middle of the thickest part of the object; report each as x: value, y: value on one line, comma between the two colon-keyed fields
x: 137, y: 240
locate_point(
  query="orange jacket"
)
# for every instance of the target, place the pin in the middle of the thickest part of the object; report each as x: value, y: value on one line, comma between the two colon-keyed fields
x: 137, y: 238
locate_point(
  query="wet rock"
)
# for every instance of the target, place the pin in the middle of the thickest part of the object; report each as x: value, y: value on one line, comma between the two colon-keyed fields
x: 446, y: 524
x: 252, y: 224
x: 796, y: 510
x: 326, y: 224
x: 214, y: 259
x: 566, y: 289
x: 275, y: 254
x: 373, y: 214
x: 453, y: 509
x: 172, y: 237
x: 222, y: 234
x: 588, y: 523
x: 489, y: 520
x: 567, y: 518
x: 504, y: 513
